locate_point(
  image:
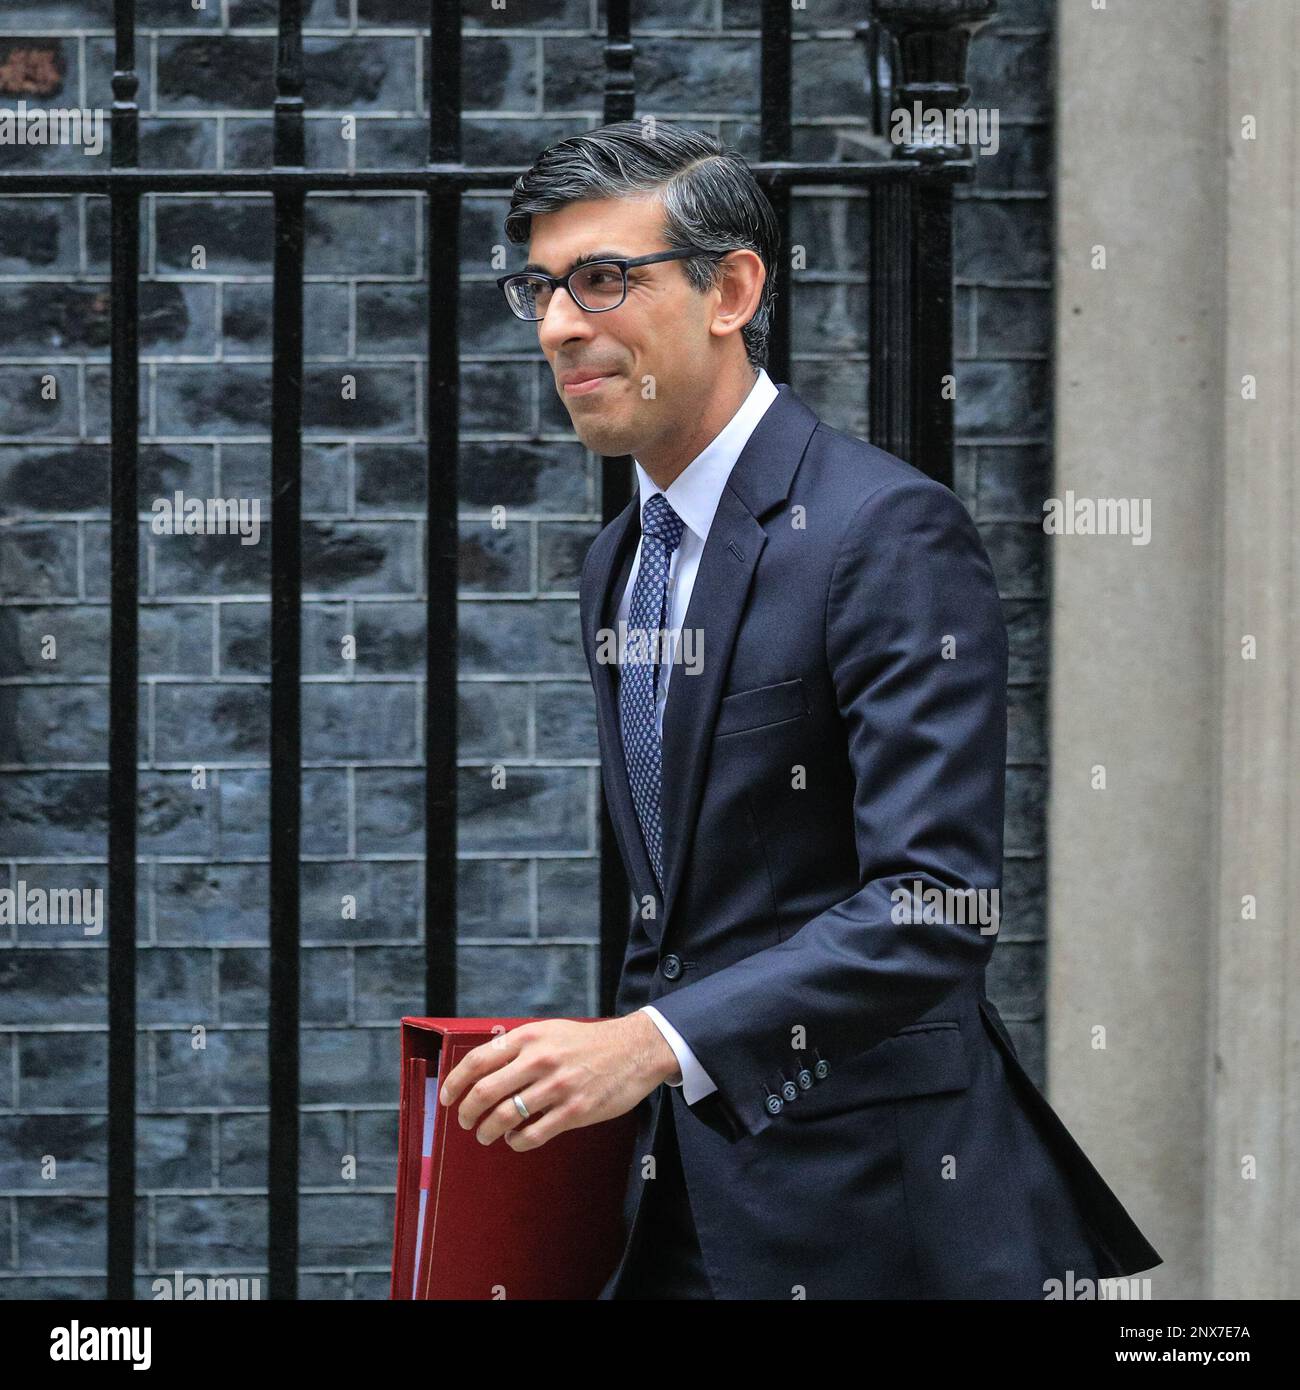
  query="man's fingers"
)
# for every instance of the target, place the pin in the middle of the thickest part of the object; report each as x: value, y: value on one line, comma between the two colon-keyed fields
x: 479, y: 1062
x: 495, y: 1089
x: 537, y: 1132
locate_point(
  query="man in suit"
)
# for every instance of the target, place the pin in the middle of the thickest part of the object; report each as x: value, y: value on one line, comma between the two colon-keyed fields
x: 811, y: 824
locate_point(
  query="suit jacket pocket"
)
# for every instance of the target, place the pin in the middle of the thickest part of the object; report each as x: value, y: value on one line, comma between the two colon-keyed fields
x: 765, y: 704
x: 923, y: 1059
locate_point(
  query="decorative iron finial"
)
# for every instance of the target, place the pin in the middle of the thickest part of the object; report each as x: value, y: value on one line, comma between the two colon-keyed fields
x: 931, y: 41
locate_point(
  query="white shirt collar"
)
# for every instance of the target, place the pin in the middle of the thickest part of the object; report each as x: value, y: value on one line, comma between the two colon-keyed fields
x: 695, y: 492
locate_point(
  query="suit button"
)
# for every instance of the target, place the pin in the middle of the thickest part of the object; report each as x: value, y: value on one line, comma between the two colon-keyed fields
x: 671, y: 967
x: 805, y: 1078
x: 790, y: 1091
x: 821, y: 1069
x: 774, y: 1105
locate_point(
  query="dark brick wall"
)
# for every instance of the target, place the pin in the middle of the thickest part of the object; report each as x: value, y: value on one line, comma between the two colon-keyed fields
x: 527, y: 878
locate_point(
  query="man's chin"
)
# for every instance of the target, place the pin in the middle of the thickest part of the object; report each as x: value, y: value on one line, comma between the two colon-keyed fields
x: 598, y: 436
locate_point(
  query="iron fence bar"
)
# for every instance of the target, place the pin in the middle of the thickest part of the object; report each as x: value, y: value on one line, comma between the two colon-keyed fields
x: 889, y: 347
x: 620, y: 76
x: 442, y: 531
x: 123, y: 728
x: 617, y: 485
x: 286, y: 668
x: 930, y: 42
x: 931, y: 399
x: 775, y: 146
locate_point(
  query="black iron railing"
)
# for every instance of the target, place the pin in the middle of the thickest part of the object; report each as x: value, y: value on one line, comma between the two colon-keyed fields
x: 909, y: 356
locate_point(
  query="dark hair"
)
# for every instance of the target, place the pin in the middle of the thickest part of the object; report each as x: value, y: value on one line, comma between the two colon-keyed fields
x: 709, y: 196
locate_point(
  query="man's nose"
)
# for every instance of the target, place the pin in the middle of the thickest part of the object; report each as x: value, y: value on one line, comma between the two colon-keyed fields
x: 563, y: 320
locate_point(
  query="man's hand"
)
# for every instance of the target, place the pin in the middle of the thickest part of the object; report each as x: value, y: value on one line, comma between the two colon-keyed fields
x: 568, y: 1075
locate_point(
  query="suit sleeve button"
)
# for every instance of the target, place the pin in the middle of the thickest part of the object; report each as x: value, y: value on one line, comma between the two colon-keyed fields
x: 805, y: 1078
x: 773, y: 1105
x: 821, y: 1069
x: 790, y: 1091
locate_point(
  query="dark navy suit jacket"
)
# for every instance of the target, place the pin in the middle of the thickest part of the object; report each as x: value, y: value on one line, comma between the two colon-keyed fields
x: 873, y: 1134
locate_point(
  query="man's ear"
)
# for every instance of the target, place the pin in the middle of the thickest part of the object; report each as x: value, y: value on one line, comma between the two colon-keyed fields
x: 740, y: 287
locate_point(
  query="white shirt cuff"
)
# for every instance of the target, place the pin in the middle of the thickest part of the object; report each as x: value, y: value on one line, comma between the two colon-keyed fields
x: 695, y: 1082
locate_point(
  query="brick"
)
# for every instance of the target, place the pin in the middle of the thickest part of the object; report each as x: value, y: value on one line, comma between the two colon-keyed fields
x: 388, y: 901
x: 349, y: 1066
x: 1014, y: 482
x: 1027, y: 639
x: 1026, y: 720
x: 1026, y: 800
x: 373, y: 235
x: 492, y: 720
x: 495, y: 559
x: 493, y: 898
x: 537, y: 809
x: 80, y: 879
x: 1007, y: 399
x: 40, y: 236
x: 357, y: 721
x: 1014, y: 322
x: 75, y: 1142
x: 390, y: 811
x: 53, y: 723
x: 24, y: 408
x: 229, y: 1069
x: 53, y: 478
x: 830, y: 318
x: 215, y: 904
x: 568, y: 898
x: 173, y: 1151
x: 215, y: 1232
x: 39, y: 561
x: 50, y: 813
x: 1016, y: 551
x: 520, y: 638
x: 61, y: 1232
x: 62, y: 1069
x: 359, y: 558
x: 1001, y: 242
x: 348, y: 1228
x: 539, y: 981
x: 523, y: 476
x: 566, y: 721
x: 389, y: 982
x: 235, y: 234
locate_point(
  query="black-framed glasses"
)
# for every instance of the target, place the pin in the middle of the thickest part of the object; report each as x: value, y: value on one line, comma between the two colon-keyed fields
x: 596, y: 287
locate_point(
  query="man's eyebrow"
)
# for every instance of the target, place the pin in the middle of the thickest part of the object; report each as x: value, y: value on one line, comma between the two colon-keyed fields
x: 606, y: 253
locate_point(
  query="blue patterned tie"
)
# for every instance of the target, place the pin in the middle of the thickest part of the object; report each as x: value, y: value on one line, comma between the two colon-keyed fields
x: 661, y: 533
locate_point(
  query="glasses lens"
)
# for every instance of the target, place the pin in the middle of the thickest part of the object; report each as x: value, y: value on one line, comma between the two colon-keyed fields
x: 528, y: 296
x: 598, y: 286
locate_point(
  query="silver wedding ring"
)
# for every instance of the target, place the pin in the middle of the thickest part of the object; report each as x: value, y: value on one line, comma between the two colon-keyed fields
x: 520, y: 1106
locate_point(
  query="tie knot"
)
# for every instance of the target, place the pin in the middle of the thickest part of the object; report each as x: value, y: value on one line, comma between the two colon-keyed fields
x: 660, y: 521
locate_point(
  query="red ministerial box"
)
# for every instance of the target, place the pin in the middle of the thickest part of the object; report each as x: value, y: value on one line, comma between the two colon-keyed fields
x: 478, y: 1221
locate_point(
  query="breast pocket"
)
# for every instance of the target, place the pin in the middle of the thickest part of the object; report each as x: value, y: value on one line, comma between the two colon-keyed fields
x: 764, y: 705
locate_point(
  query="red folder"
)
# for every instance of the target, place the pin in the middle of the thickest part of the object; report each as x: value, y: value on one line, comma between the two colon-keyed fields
x: 479, y: 1221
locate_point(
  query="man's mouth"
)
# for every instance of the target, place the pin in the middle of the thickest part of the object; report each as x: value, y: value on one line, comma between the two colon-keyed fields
x: 584, y: 388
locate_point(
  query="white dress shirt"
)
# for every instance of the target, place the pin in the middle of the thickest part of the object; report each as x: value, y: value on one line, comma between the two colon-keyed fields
x: 694, y: 495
